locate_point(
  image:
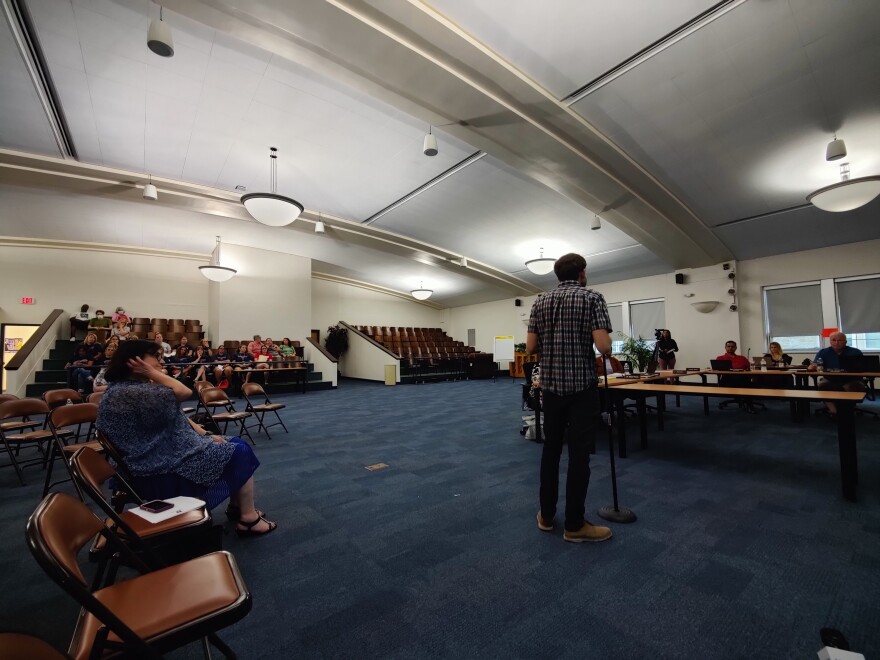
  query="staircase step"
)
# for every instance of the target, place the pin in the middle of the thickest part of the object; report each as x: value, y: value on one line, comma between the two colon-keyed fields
x: 54, y: 364
x: 51, y: 376
x: 37, y: 389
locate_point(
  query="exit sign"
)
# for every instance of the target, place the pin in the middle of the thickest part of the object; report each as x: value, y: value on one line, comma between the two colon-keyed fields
x: 27, y: 301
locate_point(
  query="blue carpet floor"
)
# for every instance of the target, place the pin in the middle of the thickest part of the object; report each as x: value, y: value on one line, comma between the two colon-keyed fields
x: 744, y: 546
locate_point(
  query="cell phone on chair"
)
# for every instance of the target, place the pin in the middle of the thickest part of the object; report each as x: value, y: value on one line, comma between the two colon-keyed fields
x: 156, y: 506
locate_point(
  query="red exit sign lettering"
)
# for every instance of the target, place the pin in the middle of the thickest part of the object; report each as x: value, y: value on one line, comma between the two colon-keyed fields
x: 27, y: 301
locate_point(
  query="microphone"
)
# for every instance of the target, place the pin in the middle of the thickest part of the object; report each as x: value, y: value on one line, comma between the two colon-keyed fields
x: 749, y: 354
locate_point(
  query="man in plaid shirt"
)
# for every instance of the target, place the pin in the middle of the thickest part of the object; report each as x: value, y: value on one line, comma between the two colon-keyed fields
x: 564, y: 325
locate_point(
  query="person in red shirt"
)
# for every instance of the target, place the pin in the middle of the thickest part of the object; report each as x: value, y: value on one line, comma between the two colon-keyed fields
x: 737, y: 361
x: 256, y: 346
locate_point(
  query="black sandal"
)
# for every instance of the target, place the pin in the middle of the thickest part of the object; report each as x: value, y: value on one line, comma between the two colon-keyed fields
x: 248, y: 527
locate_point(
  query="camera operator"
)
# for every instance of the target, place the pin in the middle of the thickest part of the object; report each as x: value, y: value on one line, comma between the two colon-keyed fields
x: 666, y: 348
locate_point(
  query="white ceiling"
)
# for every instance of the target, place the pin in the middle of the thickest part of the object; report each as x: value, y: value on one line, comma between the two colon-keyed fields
x: 701, y: 151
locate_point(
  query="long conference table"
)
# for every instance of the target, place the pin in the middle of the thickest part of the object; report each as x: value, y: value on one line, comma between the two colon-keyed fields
x: 845, y: 402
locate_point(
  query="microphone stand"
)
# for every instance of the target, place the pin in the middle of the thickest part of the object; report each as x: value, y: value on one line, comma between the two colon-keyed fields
x: 614, y: 513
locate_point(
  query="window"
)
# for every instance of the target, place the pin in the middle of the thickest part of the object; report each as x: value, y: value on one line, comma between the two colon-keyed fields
x: 615, y: 313
x: 645, y: 318
x: 793, y: 316
x: 858, y: 312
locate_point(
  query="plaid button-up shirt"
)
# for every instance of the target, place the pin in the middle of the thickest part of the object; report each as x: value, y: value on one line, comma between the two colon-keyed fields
x: 564, y: 320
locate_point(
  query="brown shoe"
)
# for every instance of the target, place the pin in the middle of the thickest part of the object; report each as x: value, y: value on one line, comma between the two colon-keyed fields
x: 589, y: 532
x: 543, y: 525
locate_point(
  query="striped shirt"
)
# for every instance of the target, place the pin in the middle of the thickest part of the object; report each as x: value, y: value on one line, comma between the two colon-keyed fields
x: 564, y: 320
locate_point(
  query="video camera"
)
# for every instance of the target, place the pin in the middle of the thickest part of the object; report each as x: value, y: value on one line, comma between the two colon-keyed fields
x: 658, y: 333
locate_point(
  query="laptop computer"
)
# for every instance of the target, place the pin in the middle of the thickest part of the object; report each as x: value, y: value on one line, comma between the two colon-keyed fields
x: 860, y: 363
x: 758, y: 362
x: 720, y: 365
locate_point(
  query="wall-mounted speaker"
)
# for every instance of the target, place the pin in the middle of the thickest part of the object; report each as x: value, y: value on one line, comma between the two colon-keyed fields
x: 517, y: 302
x: 679, y: 278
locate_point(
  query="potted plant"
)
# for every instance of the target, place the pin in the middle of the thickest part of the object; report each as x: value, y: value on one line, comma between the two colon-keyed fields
x: 336, y: 341
x: 636, y: 351
x: 519, y: 348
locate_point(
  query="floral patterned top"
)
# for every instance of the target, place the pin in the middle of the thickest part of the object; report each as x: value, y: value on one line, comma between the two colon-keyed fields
x: 145, y: 423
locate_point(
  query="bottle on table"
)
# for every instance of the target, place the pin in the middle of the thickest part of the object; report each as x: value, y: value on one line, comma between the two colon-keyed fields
x: 820, y: 366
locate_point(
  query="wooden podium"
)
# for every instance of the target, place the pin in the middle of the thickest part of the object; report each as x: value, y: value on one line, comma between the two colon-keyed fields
x: 516, y: 367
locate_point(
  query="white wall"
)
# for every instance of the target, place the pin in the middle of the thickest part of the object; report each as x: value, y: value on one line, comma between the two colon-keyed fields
x: 149, y: 286
x: 271, y: 296
x: 333, y: 302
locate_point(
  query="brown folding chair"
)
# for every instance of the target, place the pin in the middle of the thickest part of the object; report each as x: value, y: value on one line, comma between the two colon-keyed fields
x: 249, y: 390
x: 147, y: 615
x: 7, y: 397
x: 60, y: 421
x: 59, y: 397
x: 23, y: 422
x: 212, y: 399
x: 95, y: 397
x: 184, y: 532
x: 15, y: 646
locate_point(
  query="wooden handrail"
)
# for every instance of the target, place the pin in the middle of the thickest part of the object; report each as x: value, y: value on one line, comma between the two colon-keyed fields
x: 322, y: 350
x: 370, y: 339
x: 25, y: 351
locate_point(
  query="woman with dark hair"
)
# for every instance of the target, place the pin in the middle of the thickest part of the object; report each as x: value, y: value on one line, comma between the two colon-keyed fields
x: 666, y: 348
x: 166, y: 453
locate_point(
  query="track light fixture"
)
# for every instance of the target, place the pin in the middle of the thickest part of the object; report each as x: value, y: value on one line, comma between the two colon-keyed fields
x: 150, y: 191
x: 429, y: 146
x: 319, y: 227
x: 159, y: 39
x: 596, y: 223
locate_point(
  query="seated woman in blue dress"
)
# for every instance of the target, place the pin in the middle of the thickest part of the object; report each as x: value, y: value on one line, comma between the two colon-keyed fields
x: 166, y: 453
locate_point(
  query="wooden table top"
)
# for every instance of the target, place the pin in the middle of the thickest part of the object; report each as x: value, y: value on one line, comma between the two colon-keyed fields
x: 794, y: 372
x: 764, y: 393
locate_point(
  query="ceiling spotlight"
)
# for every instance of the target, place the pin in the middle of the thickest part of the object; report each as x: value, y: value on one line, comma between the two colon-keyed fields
x: 429, y: 147
x: 422, y: 293
x: 319, y: 227
x: 215, y: 272
x: 463, y: 262
x: 159, y: 39
x: 596, y: 223
x: 271, y: 208
x: 835, y: 150
x: 542, y: 265
x: 150, y: 191
x: 847, y: 194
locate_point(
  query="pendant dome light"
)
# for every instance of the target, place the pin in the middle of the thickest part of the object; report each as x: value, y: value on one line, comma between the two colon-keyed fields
x: 271, y: 208
x: 542, y: 265
x: 215, y: 272
x: 847, y: 194
x: 422, y: 293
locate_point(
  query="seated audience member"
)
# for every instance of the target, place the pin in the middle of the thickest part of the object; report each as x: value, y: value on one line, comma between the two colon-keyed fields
x: 88, y: 353
x: 288, y: 352
x: 164, y: 345
x: 256, y: 346
x: 79, y: 321
x: 222, y: 371
x: 272, y: 351
x: 120, y: 315
x: 183, y: 349
x: 201, y: 357
x: 205, y: 344
x: 611, y: 365
x: 121, y: 329
x: 167, y: 454
x: 99, y: 384
x: 776, y: 358
x: 100, y: 320
x: 264, y: 361
x: 736, y: 361
x: 830, y: 358
x: 666, y: 349
x: 243, y: 361
x: 180, y: 354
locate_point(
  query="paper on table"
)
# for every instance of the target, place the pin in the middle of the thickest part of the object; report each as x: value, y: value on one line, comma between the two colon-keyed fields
x: 181, y: 505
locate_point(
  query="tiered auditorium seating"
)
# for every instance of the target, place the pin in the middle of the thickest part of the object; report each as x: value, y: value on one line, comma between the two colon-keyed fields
x: 426, y: 352
x: 171, y: 329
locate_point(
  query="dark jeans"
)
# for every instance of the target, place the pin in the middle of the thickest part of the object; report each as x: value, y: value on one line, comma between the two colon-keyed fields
x: 572, y: 417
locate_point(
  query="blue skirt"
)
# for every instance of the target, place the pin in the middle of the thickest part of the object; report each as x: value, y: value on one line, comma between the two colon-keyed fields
x: 240, y: 467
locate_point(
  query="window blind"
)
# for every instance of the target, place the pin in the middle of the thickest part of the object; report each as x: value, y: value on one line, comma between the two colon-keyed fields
x: 794, y: 311
x: 615, y: 313
x: 858, y: 303
x: 646, y: 317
